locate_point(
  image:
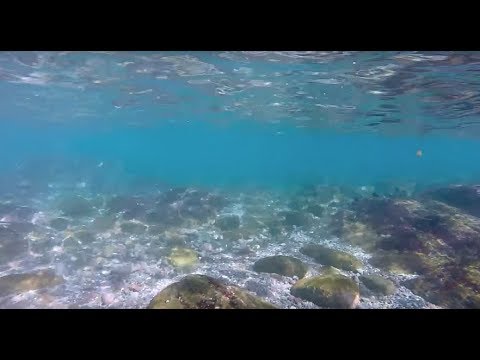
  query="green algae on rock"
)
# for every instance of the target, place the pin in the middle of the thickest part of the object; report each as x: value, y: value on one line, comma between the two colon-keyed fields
x: 400, y: 262
x: 103, y: 223
x: 330, y: 257
x: 228, y: 222
x: 450, y: 286
x: 131, y: 227
x: 204, y: 292
x: 329, y: 290
x: 59, y: 223
x: 183, y: 257
x: 75, y: 206
x: 281, y: 265
x: 378, y: 284
x: 19, y: 283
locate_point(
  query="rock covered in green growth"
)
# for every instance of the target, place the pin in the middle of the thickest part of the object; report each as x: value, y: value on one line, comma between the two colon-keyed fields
x: 315, y: 209
x: 85, y: 236
x: 103, y: 223
x: 281, y: 265
x: 452, y: 286
x: 131, y: 227
x: 59, y: 223
x: 183, y: 257
x: 297, y: 218
x: 12, y: 244
x: 19, y: 283
x: 228, y: 222
x: 204, y: 292
x: 75, y: 206
x: 330, y: 257
x: 328, y: 290
x: 378, y: 284
x: 400, y: 262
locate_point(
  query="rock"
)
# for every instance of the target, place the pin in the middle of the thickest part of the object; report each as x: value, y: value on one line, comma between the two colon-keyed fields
x: 463, y: 197
x: 103, y: 223
x: 19, y: 283
x: 183, y: 257
x: 282, y: 265
x: 171, y: 195
x: 330, y: 257
x: 156, y: 229
x: 378, y: 284
x: 85, y: 236
x: 197, y: 212
x: 59, y: 223
x: 328, y: 290
x: 316, y: 210
x: 297, y: 218
x: 400, y: 263
x: 123, y: 203
x: 174, y: 238
x: 204, y: 292
x: 452, y: 285
x: 217, y: 202
x: 133, y: 228
x: 12, y: 244
x: 228, y: 222
x: 163, y: 215
x: 75, y: 206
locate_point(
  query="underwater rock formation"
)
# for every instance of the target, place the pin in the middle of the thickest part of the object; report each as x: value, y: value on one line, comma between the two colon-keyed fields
x: 18, y: 283
x: 204, y: 292
x: 331, y: 257
x: 378, y: 284
x: 281, y: 265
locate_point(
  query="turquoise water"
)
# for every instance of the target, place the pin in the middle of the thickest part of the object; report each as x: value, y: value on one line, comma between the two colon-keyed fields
x: 170, y: 131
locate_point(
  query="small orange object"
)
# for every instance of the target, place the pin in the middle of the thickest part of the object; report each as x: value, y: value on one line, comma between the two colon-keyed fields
x: 419, y: 153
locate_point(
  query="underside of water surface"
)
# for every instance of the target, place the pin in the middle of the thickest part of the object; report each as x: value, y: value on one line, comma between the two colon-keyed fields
x: 236, y: 179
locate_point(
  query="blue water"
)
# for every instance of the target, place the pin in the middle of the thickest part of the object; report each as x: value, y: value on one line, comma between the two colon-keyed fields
x: 248, y: 129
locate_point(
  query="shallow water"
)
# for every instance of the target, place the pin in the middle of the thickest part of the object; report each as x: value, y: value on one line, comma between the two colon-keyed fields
x: 363, y: 136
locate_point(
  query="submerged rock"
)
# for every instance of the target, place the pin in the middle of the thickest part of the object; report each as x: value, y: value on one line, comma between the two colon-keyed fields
x: 103, y: 223
x: 133, y: 228
x: 123, y: 203
x: 12, y: 244
x: 378, y: 284
x: 59, y: 223
x: 328, y: 290
x: 452, y: 286
x: 282, y: 265
x: 183, y: 257
x: 204, y: 292
x: 75, y: 206
x: 19, y: 283
x: 331, y: 257
x: 400, y: 263
x: 228, y: 222
x: 463, y: 197
x: 297, y: 218
x: 316, y: 210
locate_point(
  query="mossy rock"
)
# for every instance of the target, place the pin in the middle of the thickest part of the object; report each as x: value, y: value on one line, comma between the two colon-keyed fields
x: 103, y: 223
x: 85, y: 236
x: 131, y: 227
x: 183, y: 257
x: 12, y: 244
x: 232, y: 235
x: 400, y: 262
x: 59, y: 223
x: 204, y: 292
x: 19, y: 283
x: 281, y: 265
x: 228, y: 222
x: 314, y: 209
x: 75, y: 206
x: 378, y: 284
x: 451, y: 286
x: 330, y: 257
x: 328, y: 290
x: 297, y: 218
x: 175, y: 239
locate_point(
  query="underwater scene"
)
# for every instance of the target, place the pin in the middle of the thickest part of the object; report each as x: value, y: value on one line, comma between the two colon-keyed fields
x: 239, y: 180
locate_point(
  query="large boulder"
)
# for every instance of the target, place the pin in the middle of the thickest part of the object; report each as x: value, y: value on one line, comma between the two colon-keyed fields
x: 75, y: 206
x: 330, y: 257
x: 329, y: 290
x: 282, y: 265
x: 378, y: 284
x: 204, y: 292
x: 19, y: 283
